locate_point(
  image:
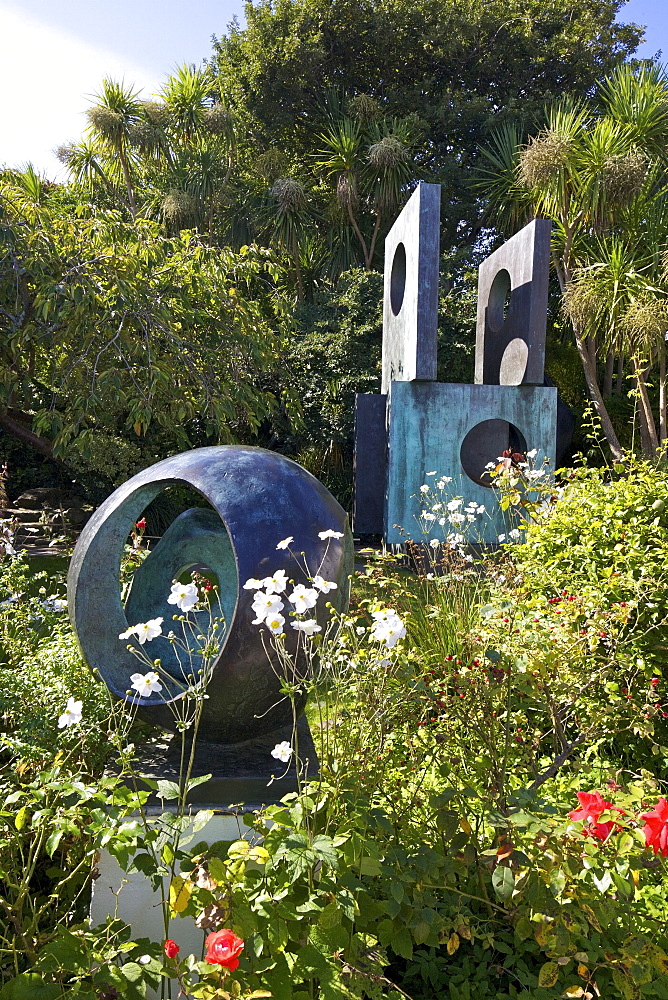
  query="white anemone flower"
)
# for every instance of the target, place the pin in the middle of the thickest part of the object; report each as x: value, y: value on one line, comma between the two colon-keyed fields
x: 275, y: 584
x: 303, y: 598
x: 330, y: 534
x: 184, y: 596
x: 253, y: 584
x: 146, y: 684
x: 532, y: 453
x: 324, y: 585
x: 424, y: 488
x: 275, y: 624
x: 388, y: 629
x: 434, y: 543
x: 514, y: 534
x: 455, y: 504
x: 264, y: 605
x: 71, y: 715
x: 144, y: 631
x: 54, y: 603
x: 282, y: 751
x: 283, y: 544
x: 309, y: 626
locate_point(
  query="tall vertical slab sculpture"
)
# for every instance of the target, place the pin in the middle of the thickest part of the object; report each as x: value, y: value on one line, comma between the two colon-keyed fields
x: 416, y: 424
x: 512, y: 309
x: 410, y: 291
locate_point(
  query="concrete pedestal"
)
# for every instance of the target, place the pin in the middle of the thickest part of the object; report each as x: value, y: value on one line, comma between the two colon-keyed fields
x: 244, y: 777
x: 131, y: 897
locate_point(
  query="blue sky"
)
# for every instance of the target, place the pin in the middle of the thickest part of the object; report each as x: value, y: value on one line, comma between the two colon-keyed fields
x: 54, y: 54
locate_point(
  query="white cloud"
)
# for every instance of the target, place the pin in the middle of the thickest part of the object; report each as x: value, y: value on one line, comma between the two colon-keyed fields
x: 47, y: 78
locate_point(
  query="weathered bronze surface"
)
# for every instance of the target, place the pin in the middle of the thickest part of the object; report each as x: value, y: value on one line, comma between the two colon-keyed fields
x: 258, y: 498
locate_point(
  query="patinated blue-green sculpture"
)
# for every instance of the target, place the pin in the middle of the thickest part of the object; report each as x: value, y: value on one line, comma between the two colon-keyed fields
x: 257, y: 498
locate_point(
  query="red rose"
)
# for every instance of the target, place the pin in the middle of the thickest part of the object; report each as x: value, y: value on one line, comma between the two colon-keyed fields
x: 222, y: 948
x: 171, y: 948
x: 656, y: 828
x: 593, y: 804
x: 141, y: 524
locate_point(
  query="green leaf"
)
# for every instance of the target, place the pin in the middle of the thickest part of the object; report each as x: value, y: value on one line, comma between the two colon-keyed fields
x: 194, y: 782
x: 370, y: 866
x: 503, y: 881
x: 548, y: 975
x: 29, y: 986
x: 203, y: 817
x: 323, y: 848
x: 401, y: 943
x: 53, y: 841
x: 168, y: 789
x: 524, y: 929
x: 20, y: 819
x: 421, y: 932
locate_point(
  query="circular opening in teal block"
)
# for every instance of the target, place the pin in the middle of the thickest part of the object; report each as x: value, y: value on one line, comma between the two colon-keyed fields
x: 194, y: 549
x: 398, y: 279
x: 485, y: 443
x: 498, y: 303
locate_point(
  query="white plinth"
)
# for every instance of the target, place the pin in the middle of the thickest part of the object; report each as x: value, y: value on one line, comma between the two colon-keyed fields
x: 131, y: 897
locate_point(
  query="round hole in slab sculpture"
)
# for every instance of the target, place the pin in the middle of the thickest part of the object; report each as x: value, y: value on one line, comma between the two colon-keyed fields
x: 498, y: 302
x: 514, y: 362
x: 398, y: 279
x: 485, y: 443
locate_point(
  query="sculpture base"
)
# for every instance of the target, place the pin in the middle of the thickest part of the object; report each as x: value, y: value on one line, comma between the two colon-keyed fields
x: 241, y: 773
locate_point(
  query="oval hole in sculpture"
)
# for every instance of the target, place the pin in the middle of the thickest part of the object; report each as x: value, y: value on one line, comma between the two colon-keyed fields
x: 498, y: 302
x: 194, y: 547
x: 485, y: 443
x: 398, y: 279
x: 514, y: 362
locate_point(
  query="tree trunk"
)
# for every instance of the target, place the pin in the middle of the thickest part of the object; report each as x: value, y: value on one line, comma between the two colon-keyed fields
x: 609, y: 369
x: 298, y: 267
x: 597, y: 398
x: 619, y: 382
x: 128, y: 180
x: 648, y: 438
x: 23, y: 433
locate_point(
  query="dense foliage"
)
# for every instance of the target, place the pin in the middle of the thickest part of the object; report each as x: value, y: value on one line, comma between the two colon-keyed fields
x: 489, y: 796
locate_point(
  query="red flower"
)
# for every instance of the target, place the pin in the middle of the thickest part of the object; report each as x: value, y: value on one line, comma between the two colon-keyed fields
x: 171, y: 948
x: 222, y: 948
x: 654, y: 682
x: 208, y: 585
x: 141, y: 524
x: 592, y: 805
x: 656, y: 828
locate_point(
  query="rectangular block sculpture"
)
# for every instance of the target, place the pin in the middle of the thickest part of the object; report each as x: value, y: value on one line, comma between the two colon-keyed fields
x: 510, y: 344
x: 453, y: 428
x: 410, y: 295
x: 370, y: 467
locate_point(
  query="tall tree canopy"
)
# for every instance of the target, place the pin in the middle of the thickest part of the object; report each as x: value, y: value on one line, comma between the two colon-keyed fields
x: 599, y: 170
x: 110, y: 330
x: 460, y: 68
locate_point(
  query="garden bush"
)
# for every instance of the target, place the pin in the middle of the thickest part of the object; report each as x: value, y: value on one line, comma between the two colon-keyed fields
x: 490, y: 808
